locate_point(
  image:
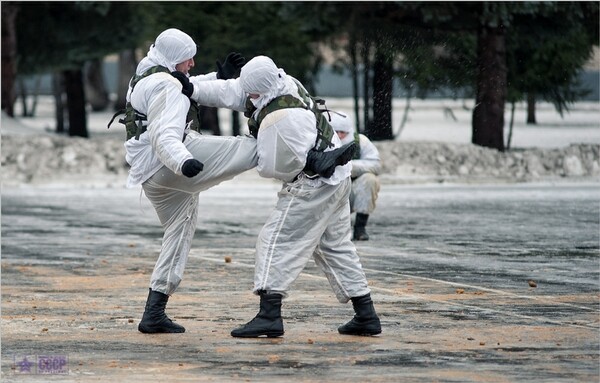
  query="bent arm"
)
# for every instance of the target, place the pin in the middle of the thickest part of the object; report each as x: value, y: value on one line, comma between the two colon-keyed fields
x: 167, y: 111
x: 369, y: 161
x: 219, y: 93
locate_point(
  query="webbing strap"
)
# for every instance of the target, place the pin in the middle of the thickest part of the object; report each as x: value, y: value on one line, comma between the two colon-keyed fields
x: 148, y: 72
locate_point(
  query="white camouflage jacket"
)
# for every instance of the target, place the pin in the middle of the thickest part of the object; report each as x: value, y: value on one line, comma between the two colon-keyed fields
x: 369, y: 161
x: 159, y: 97
x: 285, y: 136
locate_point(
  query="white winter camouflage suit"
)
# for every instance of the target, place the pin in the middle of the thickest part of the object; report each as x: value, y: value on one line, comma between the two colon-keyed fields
x: 365, y: 170
x: 312, y: 216
x: 157, y: 157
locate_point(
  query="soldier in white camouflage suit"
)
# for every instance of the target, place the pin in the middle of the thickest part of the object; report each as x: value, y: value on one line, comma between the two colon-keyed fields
x: 312, y: 215
x: 366, y: 166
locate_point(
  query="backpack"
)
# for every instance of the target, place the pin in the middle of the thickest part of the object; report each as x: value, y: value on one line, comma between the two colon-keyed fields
x: 317, y: 105
x: 133, y: 119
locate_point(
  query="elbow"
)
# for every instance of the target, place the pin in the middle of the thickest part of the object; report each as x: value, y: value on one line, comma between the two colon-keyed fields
x: 264, y: 171
x: 377, y: 169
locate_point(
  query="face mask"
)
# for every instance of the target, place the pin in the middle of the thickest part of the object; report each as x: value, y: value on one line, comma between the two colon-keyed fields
x: 256, y: 101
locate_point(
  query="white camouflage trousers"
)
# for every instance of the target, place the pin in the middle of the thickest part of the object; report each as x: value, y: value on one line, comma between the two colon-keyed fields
x: 309, y: 221
x: 175, y: 199
x: 365, y: 190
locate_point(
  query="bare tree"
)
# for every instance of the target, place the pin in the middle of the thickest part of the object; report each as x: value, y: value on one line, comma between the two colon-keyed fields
x: 9, y: 54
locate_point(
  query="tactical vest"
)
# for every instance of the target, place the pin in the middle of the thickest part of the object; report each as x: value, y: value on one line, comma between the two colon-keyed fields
x: 133, y: 119
x: 324, y: 130
x: 356, y: 155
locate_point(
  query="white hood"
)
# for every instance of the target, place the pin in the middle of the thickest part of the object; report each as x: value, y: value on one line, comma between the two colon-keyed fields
x: 170, y: 48
x: 341, y: 122
x: 261, y: 76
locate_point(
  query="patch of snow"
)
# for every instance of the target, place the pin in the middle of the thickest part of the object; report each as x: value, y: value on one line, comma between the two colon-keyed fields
x: 434, y: 146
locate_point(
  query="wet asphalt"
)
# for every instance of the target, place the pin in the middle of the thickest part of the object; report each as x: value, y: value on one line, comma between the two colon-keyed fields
x: 473, y: 283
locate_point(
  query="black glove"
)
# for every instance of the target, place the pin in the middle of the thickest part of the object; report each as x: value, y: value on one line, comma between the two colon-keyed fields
x: 192, y: 167
x: 232, y: 64
x: 187, y: 86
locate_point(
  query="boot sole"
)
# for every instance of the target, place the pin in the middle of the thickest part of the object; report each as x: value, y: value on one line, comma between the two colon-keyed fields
x: 362, y: 333
x: 159, y: 330
x: 272, y: 334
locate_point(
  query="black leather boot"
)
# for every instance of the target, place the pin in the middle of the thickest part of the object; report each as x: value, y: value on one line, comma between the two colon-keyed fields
x: 324, y: 163
x: 365, y: 321
x: 360, y: 231
x: 154, y: 319
x: 267, y: 322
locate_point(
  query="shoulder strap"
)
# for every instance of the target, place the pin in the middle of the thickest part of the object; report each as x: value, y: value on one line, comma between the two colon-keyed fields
x: 324, y: 130
x: 356, y: 155
x: 155, y: 69
x: 134, y: 80
x: 302, y: 90
x: 317, y: 105
x: 281, y: 102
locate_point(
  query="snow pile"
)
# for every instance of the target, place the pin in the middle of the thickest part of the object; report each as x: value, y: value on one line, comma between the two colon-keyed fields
x: 53, y: 158
x: 442, y: 161
x: 430, y: 148
x: 48, y: 158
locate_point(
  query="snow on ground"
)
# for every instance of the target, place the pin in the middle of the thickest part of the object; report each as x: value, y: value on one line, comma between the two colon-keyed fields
x: 432, y: 146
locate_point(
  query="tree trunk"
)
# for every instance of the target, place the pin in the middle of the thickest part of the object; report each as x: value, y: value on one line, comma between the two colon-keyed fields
x: 209, y: 119
x: 9, y: 57
x: 76, y: 102
x: 95, y: 88
x: 510, y: 126
x: 531, y: 120
x: 23, y: 96
x: 383, y: 79
x: 406, y: 111
x: 235, y: 123
x: 488, y: 114
x: 36, y: 93
x: 354, y: 69
x: 58, y: 88
x: 366, y: 82
x: 127, y: 65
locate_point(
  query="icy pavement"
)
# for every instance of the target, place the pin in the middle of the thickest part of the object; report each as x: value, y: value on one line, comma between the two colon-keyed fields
x: 473, y: 283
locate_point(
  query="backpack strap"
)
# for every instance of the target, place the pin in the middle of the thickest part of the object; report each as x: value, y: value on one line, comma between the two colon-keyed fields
x: 356, y: 155
x: 119, y: 112
x: 133, y: 119
x: 324, y: 130
x: 280, y: 102
x: 155, y: 69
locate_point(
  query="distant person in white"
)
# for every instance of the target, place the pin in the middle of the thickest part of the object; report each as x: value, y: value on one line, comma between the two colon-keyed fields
x: 366, y: 166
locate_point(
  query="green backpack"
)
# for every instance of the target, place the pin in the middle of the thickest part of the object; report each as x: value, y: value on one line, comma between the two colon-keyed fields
x: 324, y: 130
x: 133, y: 119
